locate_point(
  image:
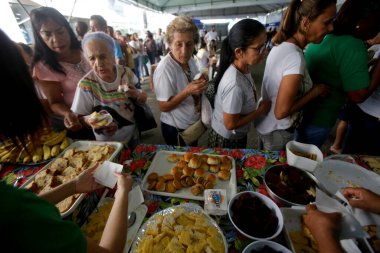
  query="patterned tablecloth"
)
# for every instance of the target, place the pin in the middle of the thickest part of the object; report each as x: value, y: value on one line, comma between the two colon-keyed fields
x: 250, y: 167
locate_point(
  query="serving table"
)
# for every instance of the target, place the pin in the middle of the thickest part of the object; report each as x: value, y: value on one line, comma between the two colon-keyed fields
x: 251, y: 165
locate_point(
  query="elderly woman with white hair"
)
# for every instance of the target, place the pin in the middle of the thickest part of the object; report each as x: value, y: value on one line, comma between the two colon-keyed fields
x: 100, y: 90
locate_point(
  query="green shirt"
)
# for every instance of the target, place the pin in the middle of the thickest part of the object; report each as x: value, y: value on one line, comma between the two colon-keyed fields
x: 31, y: 224
x: 341, y: 63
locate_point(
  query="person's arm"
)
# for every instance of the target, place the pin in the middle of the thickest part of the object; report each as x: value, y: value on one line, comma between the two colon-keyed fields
x: 358, y: 96
x: 286, y: 103
x: 85, y: 182
x: 196, y: 87
x: 53, y: 92
x: 234, y: 121
x: 115, y: 231
x: 325, y: 228
x: 363, y: 198
x: 375, y: 40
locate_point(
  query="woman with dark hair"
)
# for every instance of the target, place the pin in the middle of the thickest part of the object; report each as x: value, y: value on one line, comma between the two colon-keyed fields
x: 58, y: 65
x: 286, y: 81
x: 150, y: 47
x: 341, y: 61
x: 32, y: 222
x: 236, y: 98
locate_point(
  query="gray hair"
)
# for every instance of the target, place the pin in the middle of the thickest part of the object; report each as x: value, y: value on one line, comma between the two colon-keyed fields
x: 182, y: 24
x: 100, y: 36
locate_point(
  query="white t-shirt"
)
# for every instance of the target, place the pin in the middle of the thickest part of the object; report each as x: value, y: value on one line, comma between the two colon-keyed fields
x: 93, y: 94
x: 285, y: 59
x: 211, y: 36
x: 202, y: 59
x: 235, y: 95
x: 169, y: 79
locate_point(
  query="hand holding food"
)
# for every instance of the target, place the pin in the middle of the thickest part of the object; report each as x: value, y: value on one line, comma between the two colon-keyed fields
x: 99, y: 120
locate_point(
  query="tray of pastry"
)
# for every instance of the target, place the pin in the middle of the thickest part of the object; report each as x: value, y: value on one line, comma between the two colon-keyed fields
x: 187, y: 175
x: 77, y: 157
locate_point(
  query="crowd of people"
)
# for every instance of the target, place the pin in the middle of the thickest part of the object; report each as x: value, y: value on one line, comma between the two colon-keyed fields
x: 318, y: 64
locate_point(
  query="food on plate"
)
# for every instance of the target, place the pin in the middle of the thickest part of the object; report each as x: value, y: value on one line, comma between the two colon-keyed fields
x: 214, y: 168
x: 211, y: 178
x: 160, y: 186
x: 152, y: 176
x: 194, y: 162
x: 99, y: 119
x: 213, y: 160
x: 205, y: 166
x: 67, y: 167
x: 262, y: 224
x: 197, y: 189
x: 224, y: 175
x: 291, y: 184
x: 180, y: 231
x: 187, y: 156
x: 186, y: 174
x: 173, y: 158
x: 170, y: 187
x: 199, y: 173
x: 374, y: 237
x: 96, y: 222
x: 373, y: 163
x: 226, y: 166
x: 34, y: 151
x: 306, y: 155
x: 187, y: 171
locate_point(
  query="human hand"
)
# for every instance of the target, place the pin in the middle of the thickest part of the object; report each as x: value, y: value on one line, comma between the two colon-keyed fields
x: 362, y: 198
x: 320, y: 90
x: 264, y: 106
x: 375, y: 40
x: 124, y: 183
x: 322, y: 225
x: 85, y: 182
x: 71, y: 121
x: 111, y: 129
x: 196, y: 87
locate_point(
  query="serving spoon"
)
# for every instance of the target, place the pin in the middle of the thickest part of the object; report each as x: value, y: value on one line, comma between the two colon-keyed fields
x: 131, y: 219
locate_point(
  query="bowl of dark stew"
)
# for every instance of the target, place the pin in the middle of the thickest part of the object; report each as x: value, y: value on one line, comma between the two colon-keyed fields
x: 265, y: 247
x: 255, y: 216
x: 290, y: 186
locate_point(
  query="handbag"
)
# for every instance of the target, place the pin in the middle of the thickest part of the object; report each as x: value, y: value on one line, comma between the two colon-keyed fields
x: 144, y: 117
x: 192, y: 133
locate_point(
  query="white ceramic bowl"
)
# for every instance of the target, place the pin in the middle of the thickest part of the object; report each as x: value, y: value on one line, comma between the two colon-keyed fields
x: 302, y: 162
x: 259, y: 245
x: 267, y: 202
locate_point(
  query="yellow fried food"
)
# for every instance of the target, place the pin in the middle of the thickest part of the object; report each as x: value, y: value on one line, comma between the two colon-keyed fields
x: 181, y: 231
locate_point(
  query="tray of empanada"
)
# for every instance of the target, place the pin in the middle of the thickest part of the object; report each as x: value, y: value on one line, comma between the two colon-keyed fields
x: 187, y: 175
x: 76, y: 158
x: 182, y: 228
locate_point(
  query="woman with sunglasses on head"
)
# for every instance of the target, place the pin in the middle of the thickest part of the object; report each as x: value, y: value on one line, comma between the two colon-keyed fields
x: 58, y: 65
x: 236, y: 99
x: 286, y: 81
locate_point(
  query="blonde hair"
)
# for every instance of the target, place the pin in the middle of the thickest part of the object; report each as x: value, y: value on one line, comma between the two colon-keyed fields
x: 182, y: 24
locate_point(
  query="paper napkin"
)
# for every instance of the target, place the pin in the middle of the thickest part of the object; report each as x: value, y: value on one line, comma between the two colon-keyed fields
x: 135, y: 198
x: 104, y: 175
